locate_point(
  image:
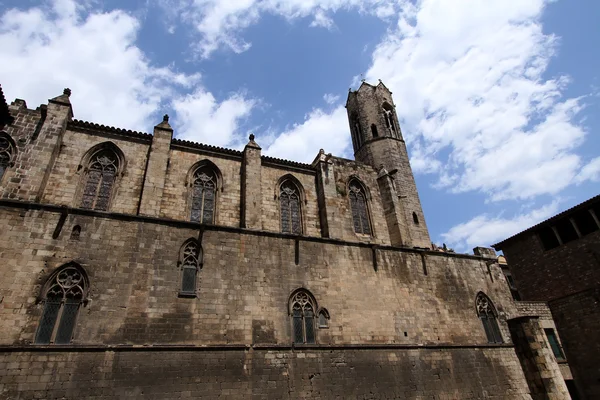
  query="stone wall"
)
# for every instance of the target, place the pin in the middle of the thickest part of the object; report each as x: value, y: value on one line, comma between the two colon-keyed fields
x: 577, y: 318
x: 545, y: 275
x: 262, y: 373
x: 405, y: 296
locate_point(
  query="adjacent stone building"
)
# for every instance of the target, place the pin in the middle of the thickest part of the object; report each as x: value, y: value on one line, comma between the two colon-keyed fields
x: 558, y: 261
x: 145, y: 266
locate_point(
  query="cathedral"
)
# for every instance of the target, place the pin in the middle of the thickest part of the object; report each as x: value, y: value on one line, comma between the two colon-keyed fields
x: 137, y: 265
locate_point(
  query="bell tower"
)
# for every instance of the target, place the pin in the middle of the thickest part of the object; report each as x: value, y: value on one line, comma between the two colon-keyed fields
x: 378, y: 141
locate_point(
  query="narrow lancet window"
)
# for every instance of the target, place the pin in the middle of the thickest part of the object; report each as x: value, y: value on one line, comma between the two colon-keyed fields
x: 291, y: 215
x: 204, y: 193
x: 190, y: 264
x: 63, y: 297
x: 360, y: 212
x: 388, y: 113
x: 374, y: 131
x: 303, y: 307
x: 415, y: 218
x: 7, y: 152
x: 101, y: 175
x: 487, y: 314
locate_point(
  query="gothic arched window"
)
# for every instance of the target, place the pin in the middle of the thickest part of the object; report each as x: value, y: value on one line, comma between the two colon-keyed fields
x: 388, y: 113
x: 302, y: 311
x: 358, y: 205
x: 290, y: 205
x: 204, y: 193
x: 487, y: 314
x: 357, y: 131
x: 191, y: 262
x: 102, y: 171
x: 7, y: 152
x: 63, y: 295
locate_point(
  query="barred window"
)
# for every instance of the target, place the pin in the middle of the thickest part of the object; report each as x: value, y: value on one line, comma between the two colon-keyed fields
x: 7, y: 152
x: 358, y: 205
x: 191, y: 256
x: 101, y: 174
x: 487, y: 314
x: 291, y: 214
x: 303, y: 307
x: 63, y: 297
x: 204, y: 190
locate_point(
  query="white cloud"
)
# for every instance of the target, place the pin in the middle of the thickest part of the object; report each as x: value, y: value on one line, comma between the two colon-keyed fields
x: 487, y: 230
x: 590, y: 172
x: 302, y: 142
x: 94, y: 54
x: 219, y: 23
x: 468, y: 78
x: 331, y: 98
x: 200, y: 118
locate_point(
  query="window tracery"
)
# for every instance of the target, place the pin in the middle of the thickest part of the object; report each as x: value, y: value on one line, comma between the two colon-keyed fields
x: 62, y: 300
x: 7, y: 152
x: 190, y: 264
x: 101, y: 175
x: 487, y: 314
x: 358, y: 205
x: 291, y: 216
x: 204, y: 189
x: 303, y: 316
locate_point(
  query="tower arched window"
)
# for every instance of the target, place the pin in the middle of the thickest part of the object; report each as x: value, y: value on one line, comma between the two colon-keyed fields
x: 389, y: 116
x: 290, y: 207
x: 191, y: 263
x: 357, y: 131
x: 63, y: 295
x: 359, y: 208
x: 487, y: 314
x: 302, y: 310
x: 7, y: 152
x: 415, y: 218
x: 204, y: 194
x: 101, y: 174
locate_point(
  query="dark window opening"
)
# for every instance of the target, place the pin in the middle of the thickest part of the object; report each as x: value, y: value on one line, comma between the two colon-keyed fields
x: 548, y: 238
x: 572, y: 389
x: 289, y: 202
x: 204, y: 193
x: 76, y: 232
x: 554, y: 344
x: 358, y: 205
x: 415, y: 218
x: 101, y: 175
x: 512, y: 286
x: 62, y: 301
x: 487, y: 314
x: 357, y: 132
x: 190, y: 264
x: 303, y: 321
x: 389, y: 116
x: 374, y: 131
x: 566, y: 231
x: 585, y: 222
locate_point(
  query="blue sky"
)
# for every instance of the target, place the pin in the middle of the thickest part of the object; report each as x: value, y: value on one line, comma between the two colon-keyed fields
x: 498, y: 99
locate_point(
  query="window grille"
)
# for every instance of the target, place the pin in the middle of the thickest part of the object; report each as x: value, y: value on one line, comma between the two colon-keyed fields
x: 101, y: 175
x: 358, y: 205
x: 303, y: 321
x: 62, y: 301
x: 487, y: 314
x: 204, y: 190
x: 291, y: 217
x: 189, y: 268
x: 6, y: 154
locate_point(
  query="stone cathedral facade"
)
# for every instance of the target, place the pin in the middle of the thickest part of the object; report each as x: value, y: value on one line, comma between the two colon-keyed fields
x: 139, y: 265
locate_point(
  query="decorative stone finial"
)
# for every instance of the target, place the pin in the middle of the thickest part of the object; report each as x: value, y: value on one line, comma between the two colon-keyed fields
x: 166, y: 118
x: 67, y: 91
x: 251, y: 136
